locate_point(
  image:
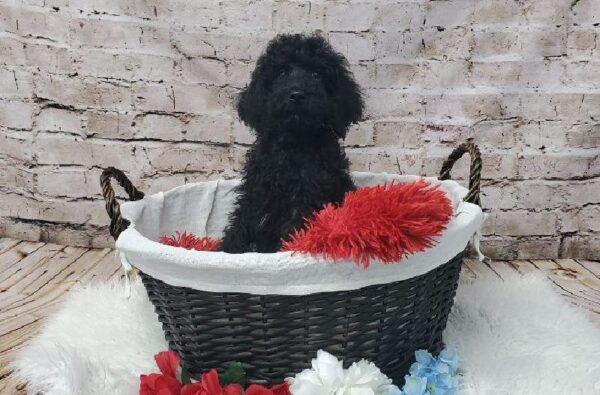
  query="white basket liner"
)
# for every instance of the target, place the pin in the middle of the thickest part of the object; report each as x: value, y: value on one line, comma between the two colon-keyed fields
x: 203, y: 208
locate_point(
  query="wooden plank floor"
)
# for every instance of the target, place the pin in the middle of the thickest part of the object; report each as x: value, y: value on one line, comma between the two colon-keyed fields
x: 35, y: 277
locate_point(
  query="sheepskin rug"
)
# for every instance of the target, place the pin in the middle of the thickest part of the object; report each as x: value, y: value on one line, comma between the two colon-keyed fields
x: 515, y: 336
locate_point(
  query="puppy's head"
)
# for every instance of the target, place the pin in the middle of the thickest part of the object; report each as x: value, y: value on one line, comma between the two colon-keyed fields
x: 302, y: 87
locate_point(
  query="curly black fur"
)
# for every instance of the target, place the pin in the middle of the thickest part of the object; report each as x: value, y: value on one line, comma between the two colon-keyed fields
x: 300, y: 101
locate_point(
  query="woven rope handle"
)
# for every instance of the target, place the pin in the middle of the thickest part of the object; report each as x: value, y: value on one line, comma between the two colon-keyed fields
x: 474, y: 172
x: 117, y: 223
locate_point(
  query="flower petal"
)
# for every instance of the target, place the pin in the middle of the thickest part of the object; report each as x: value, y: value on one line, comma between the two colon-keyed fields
x: 424, y: 357
x: 233, y: 389
x: 193, y: 389
x: 166, y: 385
x: 168, y: 363
x: 281, y: 389
x: 256, y: 389
x: 414, y: 385
x: 148, y: 383
x: 210, y: 382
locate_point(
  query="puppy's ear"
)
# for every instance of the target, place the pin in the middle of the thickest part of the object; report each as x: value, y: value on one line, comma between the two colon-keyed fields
x: 250, y: 104
x: 349, y: 104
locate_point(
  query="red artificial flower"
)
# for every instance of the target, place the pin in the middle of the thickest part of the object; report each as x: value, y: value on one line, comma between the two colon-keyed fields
x: 158, y: 384
x: 210, y: 385
x: 168, y: 362
x: 165, y: 383
x: 279, y: 389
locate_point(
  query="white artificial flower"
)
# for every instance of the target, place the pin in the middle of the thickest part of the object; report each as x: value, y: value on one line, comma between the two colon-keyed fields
x: 328, y: 377
x: 325, y: 377
x: 364, y: 378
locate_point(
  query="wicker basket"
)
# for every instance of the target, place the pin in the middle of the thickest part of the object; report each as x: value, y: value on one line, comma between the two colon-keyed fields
x: 276, y: 336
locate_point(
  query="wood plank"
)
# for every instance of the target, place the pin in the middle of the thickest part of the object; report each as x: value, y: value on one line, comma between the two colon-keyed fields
x: 573, y: 269
x: 502, y: 268
x: 480, y: 269
x: 38, y: 276
x: 467, y: 274
x: 15, y: 254
x: 568, y: 285
x: 592, y: 266
x: 523, y: 266
x: 52, y: 284
x: 108, y: 266
x: 6, y: 244
x: 23, y: 266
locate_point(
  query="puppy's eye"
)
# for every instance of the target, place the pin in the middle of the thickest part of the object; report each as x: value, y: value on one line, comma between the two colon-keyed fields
x: 282, y: 73
x: 316, y: 76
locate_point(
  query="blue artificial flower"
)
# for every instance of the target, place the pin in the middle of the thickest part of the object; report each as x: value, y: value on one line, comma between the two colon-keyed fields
x: 450, y: 357
x: 424, y: 357
x: 431, y: 376
x: 414, y: 385
x: 394, y: 390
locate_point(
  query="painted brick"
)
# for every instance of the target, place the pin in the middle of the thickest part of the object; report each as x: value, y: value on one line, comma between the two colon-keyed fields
x: 38, y: 24
x: 59, y: 120
x: 449, y: 44
x: 354, y: 46
x: 205, y: 71
x: 532, y: 248
x: 496, y: 45
x: 83, y: 93
x: 360, y: 135
x: 398, y: 134
x: 16, y: 114
x: 137, y: 8
x: 301, y: 16
x: 15, y: 84
x: 398, y: 17
x: 540, y: 44
x: 559, y: 165
x: 524, y: 223
x: 581, y: 43
x: 196, y: 14
x: 586, y: 12
x: 72, y: 182
x: 13, y: 51
x: 349, y: 17
x: 448, y: 14
x: 105, y: 124
x: 583, y: 136
x: 103, y: 64
x: 50, y: 59
x: 398, y: 47
x: 108, y: 33
x: 249, y: 16
x: 581, y: 219
x: 497, y: 14
x: 581, y: 246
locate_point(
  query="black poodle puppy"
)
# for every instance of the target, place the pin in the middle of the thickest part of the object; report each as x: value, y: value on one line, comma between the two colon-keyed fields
x: 300, y: 102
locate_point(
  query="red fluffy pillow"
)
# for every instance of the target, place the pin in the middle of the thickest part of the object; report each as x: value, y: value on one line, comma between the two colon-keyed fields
x: 381, y: 222
x: 191, y: 242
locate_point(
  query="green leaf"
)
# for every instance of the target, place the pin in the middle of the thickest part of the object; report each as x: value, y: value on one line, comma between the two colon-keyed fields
x: 234, y: 374
x: 185, y: 375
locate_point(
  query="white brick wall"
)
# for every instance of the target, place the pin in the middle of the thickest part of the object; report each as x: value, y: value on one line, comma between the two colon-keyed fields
x: 147, y: 86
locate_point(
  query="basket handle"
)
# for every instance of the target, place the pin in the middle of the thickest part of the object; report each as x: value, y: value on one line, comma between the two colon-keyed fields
x: 474, y: 171
x: 117, y: 223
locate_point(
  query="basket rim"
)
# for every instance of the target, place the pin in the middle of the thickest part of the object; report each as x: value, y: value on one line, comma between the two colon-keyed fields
x: 284, y: 273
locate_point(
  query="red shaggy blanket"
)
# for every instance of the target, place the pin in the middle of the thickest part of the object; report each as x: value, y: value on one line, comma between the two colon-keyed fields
x: 380, y: 222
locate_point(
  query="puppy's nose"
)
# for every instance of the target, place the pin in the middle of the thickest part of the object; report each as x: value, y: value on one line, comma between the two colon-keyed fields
x: 296, y: 96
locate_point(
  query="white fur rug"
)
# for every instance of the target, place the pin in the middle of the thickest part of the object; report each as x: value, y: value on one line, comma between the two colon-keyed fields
x: 513, y: 337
